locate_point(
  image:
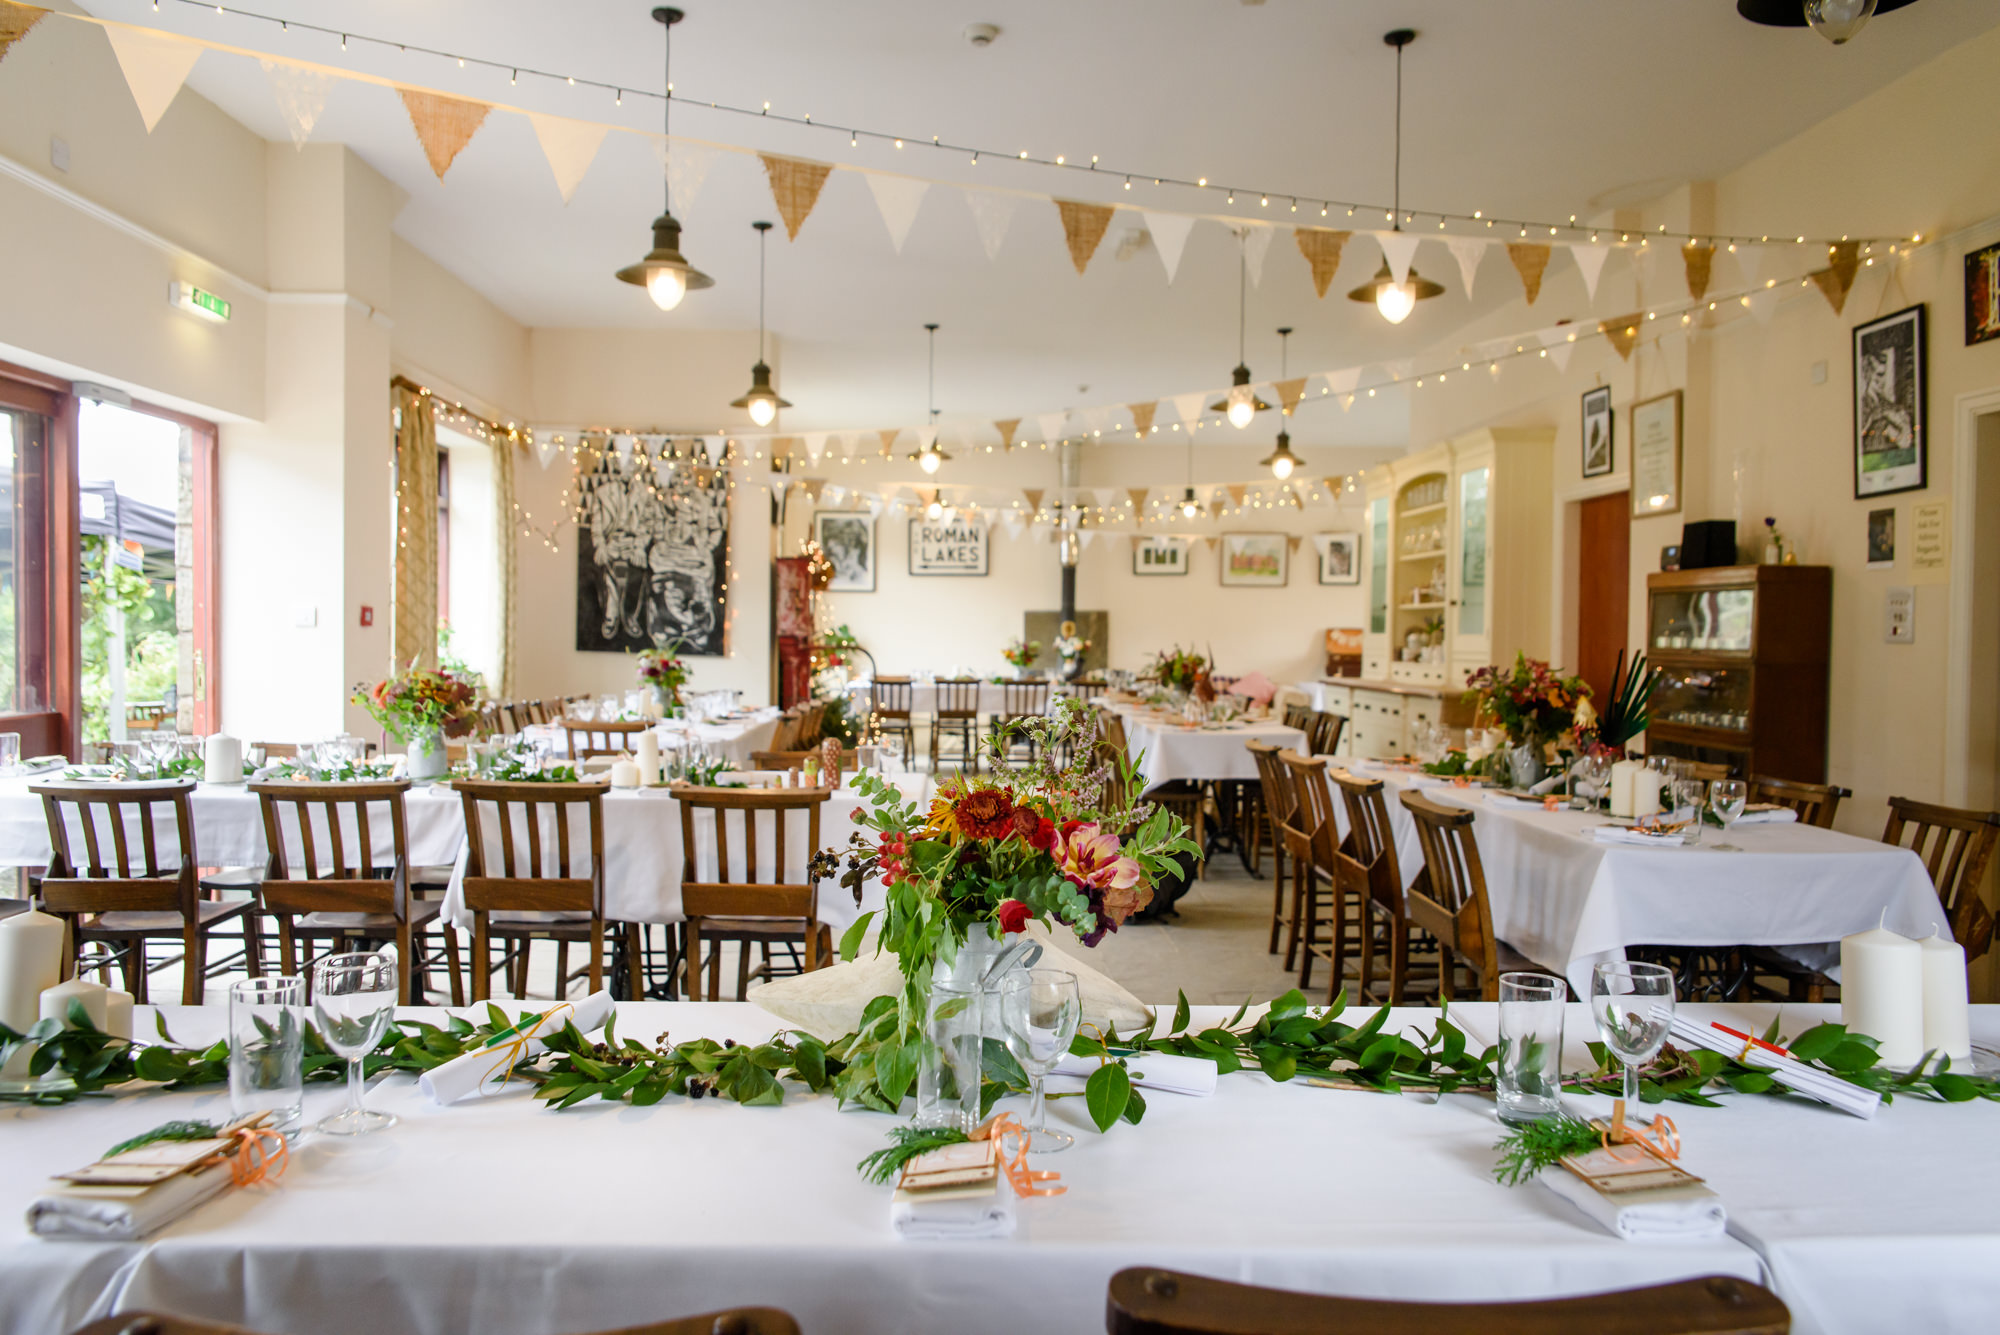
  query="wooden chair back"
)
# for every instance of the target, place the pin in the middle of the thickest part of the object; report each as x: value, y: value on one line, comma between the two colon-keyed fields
x: 1369, y: 855
x: 812, y: 726
x: 1956, y: 847
x: 958, y: 697
x: 735, y: 1321
x: 1450, y: 902
x: 785, y: 737
x: 1087, y: 690
x: 1280, y: 796
x: 1708, y: 771
x: 784, y: 760
x: 1816, y: 803
x: 1298, y: 714
x: 1146, y: 1301
x: 889, y: 698
x: 1024, y: 699
x: 738, y: 819
x: 602, y: 737
x: 516, y: 873
x: 1323, y: 732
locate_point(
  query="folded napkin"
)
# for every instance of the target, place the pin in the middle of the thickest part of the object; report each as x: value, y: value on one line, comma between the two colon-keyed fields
x: 943, y: 1217
x: 1778, y: 816
x: 121, y: 1214
x: 485, y: 1072
x: 1509, y: 800
x: 1618, y: 834
x: 1153, y: 1070
x: 1677, y: 1214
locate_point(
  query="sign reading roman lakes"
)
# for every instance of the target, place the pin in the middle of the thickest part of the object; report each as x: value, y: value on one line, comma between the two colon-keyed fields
x: 955, y: 546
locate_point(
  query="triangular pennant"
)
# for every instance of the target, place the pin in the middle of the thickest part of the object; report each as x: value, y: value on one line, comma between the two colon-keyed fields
x: 686, y: 165
x: 1289, y: 393
x: 1013, y: 525
x: 1530, y: 258
x: 1170, y: 233
x: 1834, y: 281
x: 1007, y: 426
x: 1468, y: 251
x: 1398, y: 249
x: 926, y: 437
x: 815, y: 445
x: 813, y: 486
x: 1590, y: 262
x: 1256, y: 245
x: 795, y: 186
x: 623, y: 446
x: 1750, y: 259
x: 1322, y: 251
x: 1103, y: 495
x: 155, y: 64
x: 15, y: 21
x: 1237, y: 491
x: 1142, y: 417
x: 1051, y: 425
x: 1763, y: 304
x: 897, y: 198
x: 715, y: 447
x: 1346, y: 402
x: 1034, y: 498
x: 1832, y: 287
x: 570, y: 146
x: 1343, y: 380
x: 991, y: 213
x: 1213, y: 539
x: 1084, y: 539
x: 1083, y: 228
x: 444, y: 125
x: 1698, y: 259
x: 1136, y: 495
x: 888, y: 436
x: 301, y: 91
x: 1622, y: 333
x: 1188, y: 407
x: 1294, y: 540
x: 545, y: 449
x: 1559, y: 354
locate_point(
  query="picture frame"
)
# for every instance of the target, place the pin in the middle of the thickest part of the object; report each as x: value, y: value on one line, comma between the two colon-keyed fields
x: 1599, y: 431
x: 847, y: 539
x: 1982, y: 294
x: 953, y: 545
x: 1255, y: 560
x: 1339, y: 557
x: 1656, y: 456
x: 1891, y: 436
x: 1154, y: 555
x: 1882, y: 539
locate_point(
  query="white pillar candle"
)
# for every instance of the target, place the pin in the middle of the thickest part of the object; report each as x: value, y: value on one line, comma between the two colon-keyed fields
x: 624, y: 774
x: 1947, y: 1018
x: 1621, y: 786
x: 1645, y: 792
x: 118, y: 1013
x: 647, y: 756
x: 222, y: 759
x: 94, y: 996
x: 1882, y: 993
x: 31, y: 949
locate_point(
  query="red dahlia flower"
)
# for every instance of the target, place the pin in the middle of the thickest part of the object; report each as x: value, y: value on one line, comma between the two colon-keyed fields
x: 987, y: 813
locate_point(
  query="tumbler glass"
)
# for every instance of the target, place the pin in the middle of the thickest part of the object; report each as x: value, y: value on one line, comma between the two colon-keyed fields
x: 267, y: 1048
x: 1529, y: 1065
x: 949, y: 1070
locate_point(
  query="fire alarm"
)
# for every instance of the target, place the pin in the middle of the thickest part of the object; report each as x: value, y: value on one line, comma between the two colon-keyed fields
x: 981, y: 34
x: 367, y: 615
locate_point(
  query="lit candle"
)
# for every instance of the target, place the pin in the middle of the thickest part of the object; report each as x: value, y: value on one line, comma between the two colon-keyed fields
x: 1947, y: 1018
x: 1882, y: 993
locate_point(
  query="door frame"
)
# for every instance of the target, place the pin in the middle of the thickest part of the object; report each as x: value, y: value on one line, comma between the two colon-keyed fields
x: 1566, y: 538
x: 1969, y: 408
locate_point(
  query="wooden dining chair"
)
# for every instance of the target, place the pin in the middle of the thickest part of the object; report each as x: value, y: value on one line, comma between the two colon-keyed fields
x: 1318, y: 889
x: 602, y: 737
x: 1956, y: 846
x: 122, y: 902
x: 344, y: 895
x: 1816, y: 803
x: 1450, y: 901
x: 1275, y: 812
x: 785, y: 735
x: 1708, y: 771
x: 1374, y: 876
x: 275, y: 751
x: 889, y: 701
x: 753, y: 908
x: 511, y: 879
x: 1298, y: 714
x: 1086, y: 691
x: 957, y: 716
x: 733, y: 1321
x: 1147, y: 1301
x: 1323, y: 733
x: 1020, y: 701
x: 812, y: 726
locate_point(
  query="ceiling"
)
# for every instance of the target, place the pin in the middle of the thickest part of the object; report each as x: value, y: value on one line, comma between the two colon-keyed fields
x: 1534, y: 108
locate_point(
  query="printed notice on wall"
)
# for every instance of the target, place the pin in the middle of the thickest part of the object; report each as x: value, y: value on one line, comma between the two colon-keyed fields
x: 951, y: 546
x: 1930, y: 542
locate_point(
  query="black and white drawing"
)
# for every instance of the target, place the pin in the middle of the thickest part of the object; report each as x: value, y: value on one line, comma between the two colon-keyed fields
x: 848, y: 540
x: 652, y: 555
x: 1890, y: 442
x: 1598, y: 422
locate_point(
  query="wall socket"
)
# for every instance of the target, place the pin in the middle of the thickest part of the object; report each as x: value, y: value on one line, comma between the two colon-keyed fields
x: 1819, y: 373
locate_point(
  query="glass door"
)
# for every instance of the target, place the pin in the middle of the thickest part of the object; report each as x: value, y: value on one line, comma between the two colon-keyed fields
x: 1471, y: 609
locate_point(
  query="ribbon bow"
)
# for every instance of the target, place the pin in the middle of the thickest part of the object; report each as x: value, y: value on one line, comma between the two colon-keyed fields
x: 1662, y: 1139
x: 510, y: 1049
x: 1010, y: 1141
x: 260, y: 1153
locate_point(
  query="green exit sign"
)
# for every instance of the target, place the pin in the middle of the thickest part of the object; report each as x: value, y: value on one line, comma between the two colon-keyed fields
x: 198, y: 301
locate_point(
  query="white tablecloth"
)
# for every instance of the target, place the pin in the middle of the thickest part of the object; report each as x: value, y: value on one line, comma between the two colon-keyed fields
x: 1168, y: 750
x: 734, y: 741
x: 924, y: 697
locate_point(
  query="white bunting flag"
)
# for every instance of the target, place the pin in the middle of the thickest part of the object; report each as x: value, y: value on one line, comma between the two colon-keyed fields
x: 301, y: 92
x: 926, y: 437
x: 897, y: 198
x: 1341, y: 381
x: 155, y: 65
x: 1750, y: 259
x: 1051, y: 425
x: 1083, y: 539
x: 1256, y: 245
x: 570, y: 146
x: 623, y: 445
x: 1103, y: 496
x: 1188, y: 407
x: 686, y: 166
x: 1764, y: 304
x: 1170, y: 234
x: 815, y: 445
x: 1012, y: 523
x: 713, y: 447
x: 1346, y: 402
x: 545, y: 449
x: 1556, y: 342
x: 1398, y: 248
x: 991, y: 213
x: 1590, y: 260
x: 1468, y: 251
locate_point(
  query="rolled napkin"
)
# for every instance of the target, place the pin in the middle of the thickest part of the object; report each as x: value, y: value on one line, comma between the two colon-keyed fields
x: 1509, y: 800
x: 1618, y: 834
x: 942, y: 1217
x: 485, y: 1072
x: 1153, y: 1070
x: 1675, y: 1214
x: 1548, y: 785
x: 121, y: 1214
x: 1775, y: 816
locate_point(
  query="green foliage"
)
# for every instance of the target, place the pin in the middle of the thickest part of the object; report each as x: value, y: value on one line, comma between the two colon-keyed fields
x: 167, y: 1131
x: 151, y: 649
x: 908, y: 1143
x: 1628, y: 708
x: 1527, y: 1150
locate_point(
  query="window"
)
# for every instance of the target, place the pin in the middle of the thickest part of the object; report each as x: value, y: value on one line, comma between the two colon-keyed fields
x: 468, y: 557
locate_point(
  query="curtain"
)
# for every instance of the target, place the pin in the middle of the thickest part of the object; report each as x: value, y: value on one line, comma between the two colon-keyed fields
x: 413, y: 629
x: 502, y: 688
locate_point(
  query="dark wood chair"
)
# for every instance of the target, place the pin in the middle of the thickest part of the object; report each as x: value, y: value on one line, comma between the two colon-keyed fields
x: 1145, y: 1301
x: 753, y: 908
x: 1956, y: 847
x: 957, y: 716
x: 1816, y: 803
x: 1298, y: 714
x: 1086, y: 691
x: 734, y: 1321
x: 784, y: 760
x: 889, y: 711
x: 812, y: 727
x: 502, y: 891
x: 343, y: 894
x: 1273, y: 815
x: 1375, y: 879
x: 1319, y: 893
x: 1450, y: 901
x: 121, y: 902
x: 1323, y: 733
x: 1019, y: 701
x: 602, y: 737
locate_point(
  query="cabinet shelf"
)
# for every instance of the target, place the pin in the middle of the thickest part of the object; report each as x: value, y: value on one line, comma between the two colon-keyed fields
x: 1422, y: 510
x: 1419, y: 607
x: 1435, y: 554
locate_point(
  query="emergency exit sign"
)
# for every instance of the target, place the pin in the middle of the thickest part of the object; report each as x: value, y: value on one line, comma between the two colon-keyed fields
x: 198, y: 301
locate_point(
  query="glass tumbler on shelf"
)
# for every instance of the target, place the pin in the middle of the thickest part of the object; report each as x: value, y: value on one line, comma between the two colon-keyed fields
x: 1726, y: 798
x: 1528, y: 1069
x: 1039, y: 1013
x: 1633, y: 1005
x: 267, y: 1049
x: 354, y: 998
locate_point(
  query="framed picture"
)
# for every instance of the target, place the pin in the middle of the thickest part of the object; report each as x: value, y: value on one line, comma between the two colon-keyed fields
x: 1254, y: 560
x: 1656, y: 456
x: 1160, y: 556
x: 1890, y: 445
x: 1982, y: 294
x: 1597, y: 431
x: 1882, y: 539
x: 848, y: 539
x: 1339, y: 558
x: 952, y: 546
x: 651, y: 561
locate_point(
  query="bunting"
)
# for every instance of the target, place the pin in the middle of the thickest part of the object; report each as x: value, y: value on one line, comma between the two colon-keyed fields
x: 1034, y: 498
x: 1468, y: 251
x: 301, y: 91
x: 1322, y: 251
x: 1837, y: 278
x: 1051, y: 425
x: 1007, y: 426
x: 1237, y: 491
x: 1083, y: 228
x: 686, y: 166
x: 1590, y: 260
x: 813, y: 486
x: 1294, y: 540
x: 815, y: 445
x: 1256, y: 245
x: 888, y: 436
x: 1529, y: 259
x: 1698, y: 260
x: 1137, y: 495
x: 1289, y: 393
x: 1398, y: 249
x: 569, y: 145
x: 1213, y: 539
x: 1142, y: 417
x: 990, y: 213
x: 444, y: 125
x: 1622, y: 333
x: 1188, y: 407
x: 155, y: 65
x: 16, y: 20
x: 897, y: 198
x: 1170, y: 233
x: 795, y: 187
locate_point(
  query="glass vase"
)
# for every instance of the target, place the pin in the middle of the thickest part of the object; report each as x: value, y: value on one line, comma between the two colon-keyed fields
x: 961, y: 1013
x: 424, y: 754
x: 1526, y: 768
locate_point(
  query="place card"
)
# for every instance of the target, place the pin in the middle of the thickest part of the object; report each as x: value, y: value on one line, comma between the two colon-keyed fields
x: 966, y: 1169
x: 1621, y: 1173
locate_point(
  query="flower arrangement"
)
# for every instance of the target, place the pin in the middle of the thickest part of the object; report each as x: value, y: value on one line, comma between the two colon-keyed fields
x: 1178, y: 669
x: 420, y: 701
x: 663, y: 669
x: 1531, y: 702
x: 1022, y: 653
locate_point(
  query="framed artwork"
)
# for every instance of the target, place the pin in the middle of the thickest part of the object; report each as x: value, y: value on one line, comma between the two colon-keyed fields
x: 848, y: 540
x: 1656, y: 456
x: 951, y: 546
x: 1982, y: 294
x: 650, y: 559
x: 1598, y: 419
x: 1255, y: 560
x: 1339, y: 558
x: 1160, y: 556
x: 1882, y: 539
x: 1891, y: 450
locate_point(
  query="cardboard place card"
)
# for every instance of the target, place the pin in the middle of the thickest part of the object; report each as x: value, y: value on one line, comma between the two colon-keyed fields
x: 1612, y: 1175
x: 971, y: 1164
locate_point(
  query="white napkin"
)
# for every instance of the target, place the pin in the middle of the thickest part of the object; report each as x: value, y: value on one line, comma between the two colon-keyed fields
x: 481, y: 1072
x: 1153, y: 1070
x: 1508, y: 800
x: 1683, y: 1214
x: 964, y: 1219
x: 121, y: 1214
x: 1782, y: 816
x: 1548, y: 785
x: 1617, y: 834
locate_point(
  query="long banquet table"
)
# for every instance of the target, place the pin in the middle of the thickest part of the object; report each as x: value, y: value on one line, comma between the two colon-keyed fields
x: 502, y: 1217
x: 1169, y: 750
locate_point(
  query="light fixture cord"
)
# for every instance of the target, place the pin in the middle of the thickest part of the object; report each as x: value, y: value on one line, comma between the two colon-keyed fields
x: 762, y: 235
x: 1396, y: 223
x: 930, y: 378
x: 1242, y: 291
x: 666, y: 116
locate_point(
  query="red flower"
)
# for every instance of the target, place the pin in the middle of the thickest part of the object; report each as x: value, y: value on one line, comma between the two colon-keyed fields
x: 987, y: 813
x: 1012, y: 915
x: 1033, y: 829
x: 1070, y: 827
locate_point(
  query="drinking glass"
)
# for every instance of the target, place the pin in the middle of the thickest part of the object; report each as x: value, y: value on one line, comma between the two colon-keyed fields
x: 1039, y: 1013
x: 267, y: 1047
x: 10, y: 752
x: 1688, y: 793
x: 1529, y: 1065
x: 1634, y: 1008
x: 162, y: 745
x: 354, y: 998
x: 129, y: 759
x: 607, y: 707
x: 892, y: 755
x: 1726, y: 798
x: 948, y: 1086
x: 583, y: 709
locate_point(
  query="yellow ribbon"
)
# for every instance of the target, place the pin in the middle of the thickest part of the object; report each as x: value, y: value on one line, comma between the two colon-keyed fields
x: 1010, y: 1141
x: 511, y: 1050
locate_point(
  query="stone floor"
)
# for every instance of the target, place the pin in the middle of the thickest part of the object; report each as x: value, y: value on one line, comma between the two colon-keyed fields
x: 1215, y: 948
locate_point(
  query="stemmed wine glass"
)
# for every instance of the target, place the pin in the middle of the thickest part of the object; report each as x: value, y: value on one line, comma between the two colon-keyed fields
x: 162, y: 746
x: 1039, y: 1012
x: 1726, y: 798
x: 1633, y: 1005
x: 354, y: 998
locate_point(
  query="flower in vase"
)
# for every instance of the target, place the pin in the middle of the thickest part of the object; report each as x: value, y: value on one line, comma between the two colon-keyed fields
x: 1090, y: 857
x: 985, y: 813
x: 1012, y: 915
x: 1034, y: 829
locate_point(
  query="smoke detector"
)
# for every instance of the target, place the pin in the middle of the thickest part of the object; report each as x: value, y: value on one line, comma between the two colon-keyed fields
x: 981, y: 34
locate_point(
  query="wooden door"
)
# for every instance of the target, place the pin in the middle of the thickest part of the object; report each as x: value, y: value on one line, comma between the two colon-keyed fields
x: 1603, y: 587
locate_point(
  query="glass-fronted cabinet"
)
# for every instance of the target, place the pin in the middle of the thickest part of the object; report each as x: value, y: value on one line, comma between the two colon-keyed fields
x: 1702, y: 620
x: 1472, y: 548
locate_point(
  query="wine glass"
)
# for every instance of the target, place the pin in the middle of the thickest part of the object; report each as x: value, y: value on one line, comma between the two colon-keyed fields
x: 1726, y: 798
x: 1633, y: 1005
x: 354, y: 998
x: 162, y: 746
x: 1039, y: 1013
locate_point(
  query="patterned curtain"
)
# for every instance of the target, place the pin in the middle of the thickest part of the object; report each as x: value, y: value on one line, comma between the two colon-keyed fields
x: 504, y: 527
x: 413, y: 628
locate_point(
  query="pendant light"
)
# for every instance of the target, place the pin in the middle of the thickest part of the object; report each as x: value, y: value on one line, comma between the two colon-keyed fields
x: 1241, y: 403
x: 1282, y: 461
x: 762, y: 400
x: 930, y: 458
x: 1393, y: 299
x: 665, y: 273
x: 1839, y: 21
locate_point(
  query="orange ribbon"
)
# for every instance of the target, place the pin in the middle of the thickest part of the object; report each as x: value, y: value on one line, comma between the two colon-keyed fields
x: 260, y: 1153
x: 1010, y: 1141
x: 1662, y: 1140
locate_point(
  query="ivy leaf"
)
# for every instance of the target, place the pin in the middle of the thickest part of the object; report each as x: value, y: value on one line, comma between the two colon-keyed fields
x: 1106, y: 1093
x: 1954, y: 1088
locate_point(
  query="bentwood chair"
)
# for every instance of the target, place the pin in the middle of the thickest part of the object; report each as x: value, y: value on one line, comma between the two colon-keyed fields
x: 734, y: 1321
x: 1450, y: 901
x: 889, y: 701
x: 1273, y: 816
x: 733, y: 899
x: 523, y: 882
x: 957, y: 716
x: 121, y: 902
x: 1375, y: 878
x: 1816, y: 803
x: 342, y: 894
x: 1020, y: 702
x: 1146, y: 1301
x: 602, y: 737
x: 1319, y: 894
